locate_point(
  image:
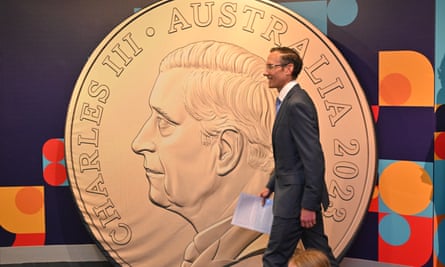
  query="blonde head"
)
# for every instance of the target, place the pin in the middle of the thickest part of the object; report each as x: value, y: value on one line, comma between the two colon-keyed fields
x: 309, y: 258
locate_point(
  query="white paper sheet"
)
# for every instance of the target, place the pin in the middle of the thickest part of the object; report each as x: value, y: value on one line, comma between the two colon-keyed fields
x: 250, y: 214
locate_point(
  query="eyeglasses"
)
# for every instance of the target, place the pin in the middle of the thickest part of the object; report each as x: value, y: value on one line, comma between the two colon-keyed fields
x: 271, y: 66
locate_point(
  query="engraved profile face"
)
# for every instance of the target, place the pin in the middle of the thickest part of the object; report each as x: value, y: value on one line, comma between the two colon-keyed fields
x: 208, y: 131
x: 171, y: 143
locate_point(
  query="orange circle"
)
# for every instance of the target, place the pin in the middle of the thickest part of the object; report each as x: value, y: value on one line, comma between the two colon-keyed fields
x: 29, y: 200
x: 405, y: 187
x: 395, y: 89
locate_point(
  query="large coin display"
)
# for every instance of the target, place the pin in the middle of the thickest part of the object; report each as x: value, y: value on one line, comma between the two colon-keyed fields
x: 114, y: 184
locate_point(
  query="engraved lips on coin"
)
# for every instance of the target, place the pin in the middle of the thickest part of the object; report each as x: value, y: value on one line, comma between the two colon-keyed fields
x: 115, y: 123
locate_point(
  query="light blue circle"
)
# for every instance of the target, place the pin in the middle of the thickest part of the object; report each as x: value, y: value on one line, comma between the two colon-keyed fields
x: 342, y: 12
x: 439, y: 241
x: 394, y: 229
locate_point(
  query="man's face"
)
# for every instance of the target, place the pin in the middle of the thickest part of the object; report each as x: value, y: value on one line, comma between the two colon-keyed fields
x: 180, y: 169
x: 276, y: 73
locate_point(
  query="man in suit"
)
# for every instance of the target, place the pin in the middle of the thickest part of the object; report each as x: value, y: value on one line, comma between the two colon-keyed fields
x: 298, y: 179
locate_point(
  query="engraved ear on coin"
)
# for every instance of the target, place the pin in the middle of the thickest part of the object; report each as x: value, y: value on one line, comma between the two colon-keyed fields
x: 157, y: 180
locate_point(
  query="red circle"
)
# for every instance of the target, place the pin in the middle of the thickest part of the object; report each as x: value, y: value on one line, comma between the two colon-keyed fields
x: 54, y: 174
x: 54, y: 150
x: 439, y: 146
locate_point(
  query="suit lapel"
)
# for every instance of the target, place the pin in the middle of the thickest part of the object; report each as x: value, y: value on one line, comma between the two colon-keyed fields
x: 282, y: 112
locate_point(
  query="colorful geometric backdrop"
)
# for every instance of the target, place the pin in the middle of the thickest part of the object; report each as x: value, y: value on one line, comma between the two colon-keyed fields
x: 396, y: 47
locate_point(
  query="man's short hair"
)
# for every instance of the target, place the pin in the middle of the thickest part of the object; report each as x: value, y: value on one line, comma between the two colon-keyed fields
x: 290, y: 56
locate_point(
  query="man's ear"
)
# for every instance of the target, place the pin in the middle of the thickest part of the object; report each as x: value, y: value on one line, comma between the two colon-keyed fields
x: 230, y: 146
x: 289, y: 69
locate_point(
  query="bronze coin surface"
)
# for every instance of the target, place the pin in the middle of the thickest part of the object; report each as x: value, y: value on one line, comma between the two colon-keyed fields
x: 146, y: 208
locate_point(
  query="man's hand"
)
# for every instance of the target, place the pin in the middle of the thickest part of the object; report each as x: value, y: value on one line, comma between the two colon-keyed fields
x: 307, y: 218
x: 265, y: 194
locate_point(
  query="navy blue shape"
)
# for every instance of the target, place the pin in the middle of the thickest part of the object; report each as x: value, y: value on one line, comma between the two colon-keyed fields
x: 365, y: 244
x: 63, y: 222
x: 6, y: 238
x: 430, y: 262
x: 406, y: 133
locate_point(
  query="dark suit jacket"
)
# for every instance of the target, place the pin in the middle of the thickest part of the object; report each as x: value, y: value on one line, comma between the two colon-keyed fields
x: 298, y: 180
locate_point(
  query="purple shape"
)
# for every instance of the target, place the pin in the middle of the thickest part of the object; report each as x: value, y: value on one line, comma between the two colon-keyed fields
x: 406, y: 133
x: 365, y: 244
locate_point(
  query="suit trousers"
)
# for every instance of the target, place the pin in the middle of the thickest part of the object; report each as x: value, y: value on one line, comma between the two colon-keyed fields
x: 285, y: 235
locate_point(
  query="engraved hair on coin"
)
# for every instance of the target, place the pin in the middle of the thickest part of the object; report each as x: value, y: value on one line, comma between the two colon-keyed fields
x: 207, y: 139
